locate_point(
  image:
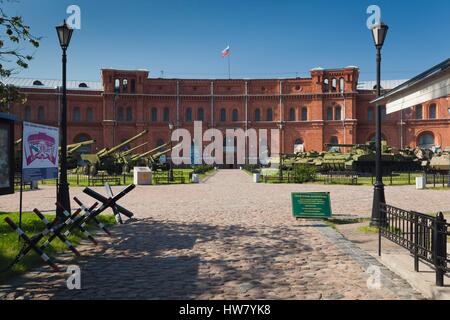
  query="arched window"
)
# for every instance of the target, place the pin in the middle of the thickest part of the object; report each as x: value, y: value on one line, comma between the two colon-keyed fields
x: 200, y: 114
x: 154, y: 115
x: 89, y: 114
x: 334, y: 140
x: 41, y: 113
x: 338, y: 113
x: 291, y: 114
x: 223, y: 115
x: 27, y: 115
x: 269, y: 114
x: 235, y: 115
x: 304, y: 114
x: 189, y: 115
x: 341, y: 85
x: 129, y: 114
x: 299, y: 145
x: 419, y: 112
x: 81, y: 138
x: 326, y: 85
x: 133, y: 86
x: 37, y: 83
x: 258, y: 114
x: 426, y: 140
x: 76, y: 115
x: 116, y: 86
x: 83, y: 85
x: 120, y: 114
x: 125, y: 86
x: 370, y: 116
x: 432, y: 111
x: 329, y: 113
x: 334, y: 85
x: 166, y: 115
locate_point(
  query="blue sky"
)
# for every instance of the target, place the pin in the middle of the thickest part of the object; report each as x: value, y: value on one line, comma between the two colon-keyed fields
x: 268, y: 38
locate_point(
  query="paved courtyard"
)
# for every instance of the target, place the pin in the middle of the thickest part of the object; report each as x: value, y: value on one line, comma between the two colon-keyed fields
x: 226, y: 238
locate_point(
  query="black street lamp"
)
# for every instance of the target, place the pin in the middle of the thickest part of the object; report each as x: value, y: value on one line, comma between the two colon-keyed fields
x: 64, y: 34
x: 170, y: 160
x: 379, y: 33
x: 280, y: 127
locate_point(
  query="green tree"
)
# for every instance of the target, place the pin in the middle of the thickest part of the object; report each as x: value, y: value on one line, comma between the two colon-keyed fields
x: 14, y: 34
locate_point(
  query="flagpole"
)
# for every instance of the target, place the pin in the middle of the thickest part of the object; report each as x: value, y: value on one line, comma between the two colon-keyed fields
x: 229, y: 69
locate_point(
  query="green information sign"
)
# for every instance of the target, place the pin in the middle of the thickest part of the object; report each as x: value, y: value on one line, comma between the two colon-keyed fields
x: 311, y: 205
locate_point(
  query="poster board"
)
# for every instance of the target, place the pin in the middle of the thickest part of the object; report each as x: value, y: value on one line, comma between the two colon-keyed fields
x: 7, y: 165
x: 40, y: 152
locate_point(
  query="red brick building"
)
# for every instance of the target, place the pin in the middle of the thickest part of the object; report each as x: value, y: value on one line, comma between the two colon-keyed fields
x: 329, y: 106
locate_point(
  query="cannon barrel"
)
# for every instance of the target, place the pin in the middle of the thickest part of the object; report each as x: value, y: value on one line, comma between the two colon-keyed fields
x: 142, y: 155
x: 75, y: 146
x: 155, y: 156
x: 128, y: 152
x: 108, y: 152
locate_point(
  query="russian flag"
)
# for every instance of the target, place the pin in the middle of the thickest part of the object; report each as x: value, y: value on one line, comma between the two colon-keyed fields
x: 226, y: 52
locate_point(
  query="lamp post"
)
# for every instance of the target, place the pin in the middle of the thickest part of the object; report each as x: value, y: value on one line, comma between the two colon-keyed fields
x: 280, y: 127
x: 170, y: 161
x: 379, y: 32
x: 64, y: 36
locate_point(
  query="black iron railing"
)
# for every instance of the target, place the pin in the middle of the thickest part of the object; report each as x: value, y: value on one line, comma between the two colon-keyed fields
x: 424, y: 236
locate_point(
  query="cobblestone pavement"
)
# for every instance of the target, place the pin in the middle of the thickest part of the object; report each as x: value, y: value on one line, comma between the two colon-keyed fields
x: 346, y: 200
x: 222, y: 239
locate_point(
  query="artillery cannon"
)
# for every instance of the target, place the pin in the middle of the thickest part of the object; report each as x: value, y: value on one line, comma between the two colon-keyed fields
x: 105, y: 159
x: 146, y: 159
x: 124, y: 158
x: 74, y: 157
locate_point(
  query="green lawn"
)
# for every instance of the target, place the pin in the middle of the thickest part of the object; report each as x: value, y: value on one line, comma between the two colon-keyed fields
x: 31, y: 224
x: 82, y: 180
x: 396, y: 179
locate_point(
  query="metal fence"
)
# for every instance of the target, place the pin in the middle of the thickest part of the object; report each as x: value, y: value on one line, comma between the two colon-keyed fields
x: 424, y: 236
x: 349, y: 178
x: 437, y: 179
x: 161, y: 177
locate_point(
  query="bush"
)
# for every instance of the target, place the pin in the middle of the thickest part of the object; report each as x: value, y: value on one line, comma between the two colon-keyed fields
x: 253, y: 168
x: 202, y: 168
x: 304, y: 173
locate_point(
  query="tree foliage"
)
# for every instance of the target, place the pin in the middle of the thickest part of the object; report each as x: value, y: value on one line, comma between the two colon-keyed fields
x: 14, y: 35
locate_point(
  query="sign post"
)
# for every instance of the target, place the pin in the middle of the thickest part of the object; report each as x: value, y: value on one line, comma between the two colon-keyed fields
x: 311, y: 205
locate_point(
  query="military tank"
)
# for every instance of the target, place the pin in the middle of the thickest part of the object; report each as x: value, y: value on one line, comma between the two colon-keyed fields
x: 440, y: 161
x: 361, y: 159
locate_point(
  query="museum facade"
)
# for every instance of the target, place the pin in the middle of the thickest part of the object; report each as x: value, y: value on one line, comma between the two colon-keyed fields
x: 330, y: 106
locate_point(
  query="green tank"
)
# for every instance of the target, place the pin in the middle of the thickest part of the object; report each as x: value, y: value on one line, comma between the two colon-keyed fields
x: 440, y: 161
x: 361, y: 159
